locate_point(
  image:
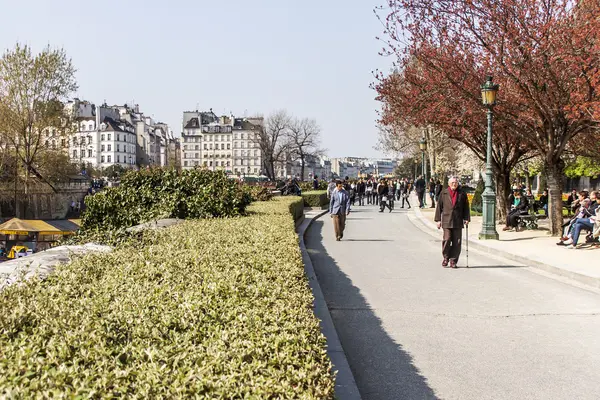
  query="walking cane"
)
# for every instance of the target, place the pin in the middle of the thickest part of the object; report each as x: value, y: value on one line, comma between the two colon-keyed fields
x: 467, y: 245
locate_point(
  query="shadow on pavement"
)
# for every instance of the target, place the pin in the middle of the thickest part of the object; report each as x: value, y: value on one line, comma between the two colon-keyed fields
x: 381, y: 368
x: 491, y: 266
x: 368, y: 240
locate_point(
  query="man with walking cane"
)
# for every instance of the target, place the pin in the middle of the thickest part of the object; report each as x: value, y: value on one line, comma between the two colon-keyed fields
x: 451, y: 214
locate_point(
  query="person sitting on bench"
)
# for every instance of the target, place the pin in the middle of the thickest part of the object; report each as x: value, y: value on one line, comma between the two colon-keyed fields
x: 519, y: 207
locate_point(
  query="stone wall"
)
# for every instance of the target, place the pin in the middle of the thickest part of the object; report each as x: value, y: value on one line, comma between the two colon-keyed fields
x: 40, y: 205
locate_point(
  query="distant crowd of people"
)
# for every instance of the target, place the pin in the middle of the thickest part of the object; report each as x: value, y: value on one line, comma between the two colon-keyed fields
x: 385, y: 192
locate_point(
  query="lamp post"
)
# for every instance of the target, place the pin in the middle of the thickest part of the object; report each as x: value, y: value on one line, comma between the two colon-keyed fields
x: 423, y: 147
x: 416, y: 163
x: 488, y: 228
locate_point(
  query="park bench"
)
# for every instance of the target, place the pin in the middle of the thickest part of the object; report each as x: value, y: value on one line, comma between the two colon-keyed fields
x: 529, y: 220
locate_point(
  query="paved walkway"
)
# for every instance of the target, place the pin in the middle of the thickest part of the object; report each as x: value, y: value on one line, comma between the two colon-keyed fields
x: 413, y: 330
x: 533, y: 247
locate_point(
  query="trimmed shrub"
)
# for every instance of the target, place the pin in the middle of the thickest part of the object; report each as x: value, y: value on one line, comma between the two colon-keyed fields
x: 296, y: 207
x: 477, y: 202
x: 258, y: 193
x: 308, y: 185
x: 160, y: 193
x: 315, y: 198
x: 212, y: 308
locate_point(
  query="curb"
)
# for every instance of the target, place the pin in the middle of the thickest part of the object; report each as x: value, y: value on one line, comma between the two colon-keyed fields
x: 429, y: 227
x: 345, y: 385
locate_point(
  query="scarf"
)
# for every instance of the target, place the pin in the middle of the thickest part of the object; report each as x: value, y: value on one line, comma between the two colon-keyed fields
x: 453, y: 195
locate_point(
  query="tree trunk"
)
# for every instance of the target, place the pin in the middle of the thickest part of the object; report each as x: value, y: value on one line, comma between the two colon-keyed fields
x: 554, y: 174
x: 301, y: 168
x: 502, y: 193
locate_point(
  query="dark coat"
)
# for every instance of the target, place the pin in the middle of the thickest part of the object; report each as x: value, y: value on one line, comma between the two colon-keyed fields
x: 523, y: 204
x: 452, y: 217
x: 420, y: 185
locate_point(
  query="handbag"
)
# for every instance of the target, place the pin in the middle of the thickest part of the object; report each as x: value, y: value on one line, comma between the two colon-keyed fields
x: 384, y: 198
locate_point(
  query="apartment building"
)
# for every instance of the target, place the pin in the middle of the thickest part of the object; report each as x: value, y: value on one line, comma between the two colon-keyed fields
x: 226, y: 143
x: 116, y: 135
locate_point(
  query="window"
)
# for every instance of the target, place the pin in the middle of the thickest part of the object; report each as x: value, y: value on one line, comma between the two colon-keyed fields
x: 205, y: 146
x: 89, y: 152
x: 91, y: 127
x: 102, y: 148
x: 74, y: 141
x: 185, y: 147
x: 63, y: 142
x: 109, y: 148
x: 197, y: 147
x: 204, y: 163
x: 210, y: 163
x: 102, y: 137
x: 102, y: 159
x: 242, y: 136
x: 118, y: 137
x: 228, y: 146
x: 210, y: 146
x: 255, y: 153
x: 118, y: 158
x: 185, y: 164
x: 229, y: 163
x: 89, y: 140
x: 109, y: 138
x: 222, y: 146
x: 118, y: 147
x: 196, y: 163
x: 74, y: 153
x: 108, y: 158
x: 195, y: 155
x: 256, y: 170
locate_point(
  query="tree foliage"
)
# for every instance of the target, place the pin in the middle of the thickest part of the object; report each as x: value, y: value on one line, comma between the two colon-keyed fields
x: 543, y: 54
x: 32, y: 91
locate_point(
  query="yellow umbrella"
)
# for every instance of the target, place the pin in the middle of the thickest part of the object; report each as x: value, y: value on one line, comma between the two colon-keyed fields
x: 16, y: 226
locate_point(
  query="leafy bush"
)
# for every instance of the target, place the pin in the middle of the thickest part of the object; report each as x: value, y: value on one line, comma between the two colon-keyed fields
x: 258, y: 193
x: 477, y: 202
x: 296, y: 207
x: 212, y: 308
x: 315, y: 198
x: 159, y: 193
x: 308, y: 185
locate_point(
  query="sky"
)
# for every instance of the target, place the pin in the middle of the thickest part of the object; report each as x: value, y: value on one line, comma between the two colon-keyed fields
x: 313, y: 58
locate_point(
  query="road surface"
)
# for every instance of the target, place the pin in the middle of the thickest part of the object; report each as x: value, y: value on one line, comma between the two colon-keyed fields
x: 414, y: 330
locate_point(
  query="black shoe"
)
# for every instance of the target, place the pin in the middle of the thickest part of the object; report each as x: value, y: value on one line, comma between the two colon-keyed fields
x: 445, y: 263
x: 390, y: 210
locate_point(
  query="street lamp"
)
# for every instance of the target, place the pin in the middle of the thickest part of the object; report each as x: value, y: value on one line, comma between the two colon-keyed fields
x: 488, y: 228
x: 423, y: 147
x: 416, y: 163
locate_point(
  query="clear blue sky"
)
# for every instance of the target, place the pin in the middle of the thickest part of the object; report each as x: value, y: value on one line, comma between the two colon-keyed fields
x: 312, y: 58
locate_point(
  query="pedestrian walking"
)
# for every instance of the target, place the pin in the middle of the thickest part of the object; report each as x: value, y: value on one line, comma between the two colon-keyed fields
x: 360, y: 191
x: 352, y: 193
x: 376, y: 185
x: 420, y: 189
x: 316, y: 183
x: 339, y: 208
x: 391, y: 195
x: 383, y: 191
x: 451, y: 214
x: 369, y: 191
x: 432, y: 192
x: 406, y: 188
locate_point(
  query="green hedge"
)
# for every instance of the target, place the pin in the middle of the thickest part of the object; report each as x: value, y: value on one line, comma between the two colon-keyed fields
x: 160, y: 193
x: 258, y: 193
x: 308, y: 185
x: 213, y: 308
x: 315, y: 198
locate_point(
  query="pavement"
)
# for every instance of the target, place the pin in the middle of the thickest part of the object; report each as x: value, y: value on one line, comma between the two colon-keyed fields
x: 535, y: 248
x: 411, y: 329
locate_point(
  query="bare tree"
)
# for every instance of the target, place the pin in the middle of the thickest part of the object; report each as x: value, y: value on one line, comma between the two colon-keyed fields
x: 32, y: 91
x: 271, y: 138
x: 303, y: 139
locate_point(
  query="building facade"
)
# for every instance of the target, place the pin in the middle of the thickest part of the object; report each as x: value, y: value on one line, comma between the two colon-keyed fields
x: 116, y: 135
x: 221, y: 143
